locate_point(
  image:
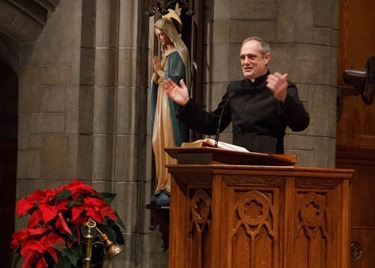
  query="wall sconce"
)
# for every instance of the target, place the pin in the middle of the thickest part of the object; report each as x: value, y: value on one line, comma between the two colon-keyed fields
x: 113, y: 249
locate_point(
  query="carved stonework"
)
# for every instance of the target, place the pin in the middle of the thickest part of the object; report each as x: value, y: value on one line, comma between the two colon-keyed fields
x: 200, y: 209
x: 162, y: 7
x: 246, y: 180
x: 253, y: 211
x: 312, y: 216
x: 316, y: 182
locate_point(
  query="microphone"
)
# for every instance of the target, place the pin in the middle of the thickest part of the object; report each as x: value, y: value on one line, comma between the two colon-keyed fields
x: 230, y: 95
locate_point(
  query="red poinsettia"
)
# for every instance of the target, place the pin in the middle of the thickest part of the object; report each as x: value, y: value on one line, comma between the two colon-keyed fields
x: 57, y: 216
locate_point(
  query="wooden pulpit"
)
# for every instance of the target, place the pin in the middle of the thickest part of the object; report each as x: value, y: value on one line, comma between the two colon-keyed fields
x: 234, y: 210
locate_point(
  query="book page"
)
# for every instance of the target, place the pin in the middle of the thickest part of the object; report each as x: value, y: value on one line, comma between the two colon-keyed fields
x: 207, y: 142
x: 225, y: 145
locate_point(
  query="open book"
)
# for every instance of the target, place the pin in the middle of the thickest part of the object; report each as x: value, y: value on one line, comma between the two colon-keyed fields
x: 194, y: 152
x: 207, y: 142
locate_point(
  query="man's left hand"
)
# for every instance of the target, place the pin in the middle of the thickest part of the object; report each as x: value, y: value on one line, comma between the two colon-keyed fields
x: 278, y: 84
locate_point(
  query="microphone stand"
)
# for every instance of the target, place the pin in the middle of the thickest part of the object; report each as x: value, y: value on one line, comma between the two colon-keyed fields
x: 221, y: 115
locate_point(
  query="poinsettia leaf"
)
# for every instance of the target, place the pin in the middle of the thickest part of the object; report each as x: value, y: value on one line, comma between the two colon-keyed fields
x: 64, y: 262
x: 31, y: 247
x: 94, y: 202
x: 80, y: 189
x: 19, y: 237
x: 37, y: 231
x: 76, y: 212
x: 59, y: 246
x: 113, y: 231
x: 61, y: 225
x: 52, y: 252
x: 23, y: 206
x: 64, y: 194
x: 94, y: 213
x: 106, y: 229
x: 35, y: 219
x: 62, y: 205
x: 118, y: 233
x: 49, y: 212
x: 73, y: 254
x: 16, y: 258
x: 41, y: 263
x: 119, y: 221
x: 28, y: 260
x: 73, y: 203
x: 108, y: 197
x: 107, y: 211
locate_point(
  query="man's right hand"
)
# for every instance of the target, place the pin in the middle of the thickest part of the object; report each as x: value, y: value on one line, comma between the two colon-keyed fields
x: 179, y: 94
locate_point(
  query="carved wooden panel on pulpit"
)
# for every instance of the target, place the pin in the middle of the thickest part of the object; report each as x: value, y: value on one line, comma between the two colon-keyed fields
x: 311, y: 230
x: 254, y: 230
x: 200, y: 228
x: 316, y: 219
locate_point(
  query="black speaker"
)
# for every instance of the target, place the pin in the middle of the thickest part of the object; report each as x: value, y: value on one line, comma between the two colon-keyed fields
x: 364, y: 81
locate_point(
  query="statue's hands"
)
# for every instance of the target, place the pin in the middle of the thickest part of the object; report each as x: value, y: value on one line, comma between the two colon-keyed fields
x: 157, y: 67
x: 278, y: 84
x: 179, y: 94
x: 156, y: 63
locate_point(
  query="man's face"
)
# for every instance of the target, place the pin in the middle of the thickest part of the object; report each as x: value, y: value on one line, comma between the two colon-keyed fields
x: 253, y: 63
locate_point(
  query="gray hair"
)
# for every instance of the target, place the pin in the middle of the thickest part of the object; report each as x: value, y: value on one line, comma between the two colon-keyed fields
x: 265, y: 47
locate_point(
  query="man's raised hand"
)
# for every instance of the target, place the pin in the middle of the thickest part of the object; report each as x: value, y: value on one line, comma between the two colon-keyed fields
x: 278, y: 84
x: 179, y: 94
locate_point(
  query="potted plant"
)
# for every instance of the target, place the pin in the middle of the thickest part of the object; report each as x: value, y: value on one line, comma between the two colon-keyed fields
x: 57, y: 230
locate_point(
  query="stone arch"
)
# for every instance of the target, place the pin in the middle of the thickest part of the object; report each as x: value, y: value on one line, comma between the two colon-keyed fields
x: 24, y: 20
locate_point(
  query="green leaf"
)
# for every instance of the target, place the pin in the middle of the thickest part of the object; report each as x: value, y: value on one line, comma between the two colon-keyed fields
x: 113, y: 231
x: 64, y: 262
x: 119, y: 221
x: 64, y: 194
x: 108, y: 230
x: 73, y: 203
x: 108, y: 197
x: 119, y: 236
x: 74, y: 254
x: 16, y: 258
